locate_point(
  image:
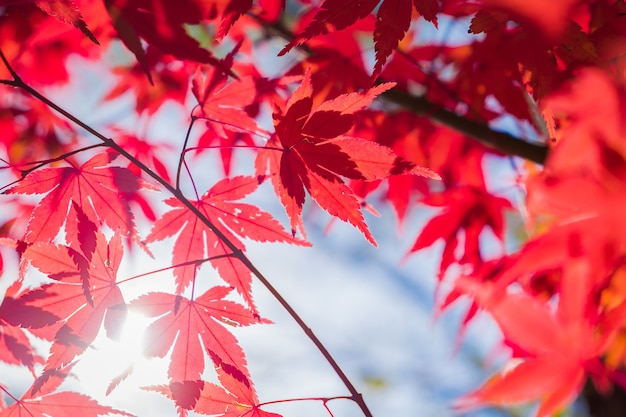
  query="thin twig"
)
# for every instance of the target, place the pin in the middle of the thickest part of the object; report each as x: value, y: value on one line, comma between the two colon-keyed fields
x: 184, y: 151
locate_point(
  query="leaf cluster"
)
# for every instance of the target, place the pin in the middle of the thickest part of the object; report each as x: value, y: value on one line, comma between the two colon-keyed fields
x: 362, y: 104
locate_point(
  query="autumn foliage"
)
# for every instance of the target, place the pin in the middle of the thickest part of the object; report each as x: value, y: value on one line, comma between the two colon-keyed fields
x: 336, y: 104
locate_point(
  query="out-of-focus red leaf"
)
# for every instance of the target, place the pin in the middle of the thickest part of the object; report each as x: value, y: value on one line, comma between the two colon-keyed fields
x: 551, y: 363
x: 67, y: 12
x: 162, y: 25
x: 550, y: 18
x: 169, y: 78
x: 37, y: 40
x: 466, y: 209
x: 392, y: 21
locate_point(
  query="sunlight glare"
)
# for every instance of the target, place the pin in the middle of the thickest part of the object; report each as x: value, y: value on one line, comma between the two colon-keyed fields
x: 110, y: 359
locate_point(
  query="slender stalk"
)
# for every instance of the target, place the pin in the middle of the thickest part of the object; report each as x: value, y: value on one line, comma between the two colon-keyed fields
x: 292, y: 400
x: 236, y: 252
x: 184, y: 151
x: 167, y: 268
x: 36, y: 165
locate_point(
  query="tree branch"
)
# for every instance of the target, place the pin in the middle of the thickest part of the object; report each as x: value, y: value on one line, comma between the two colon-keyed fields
x: 482, y: 132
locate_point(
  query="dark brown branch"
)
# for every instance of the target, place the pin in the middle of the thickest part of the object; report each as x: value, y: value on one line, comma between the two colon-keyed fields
x: 604, y: 404
x: 501, y: 141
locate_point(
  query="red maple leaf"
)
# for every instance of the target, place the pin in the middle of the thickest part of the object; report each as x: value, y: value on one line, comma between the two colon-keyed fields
x: 222, y: 103
x: 466, y: 208
x: 170, y: 81
x: 235, y: 398
x: 46, y: 402
x: 84, y: 294
x: 193, y: 328
x: 310, y: 150
x: 162, y: 25
x: 101, y: 191
x: 392, y: 21
x: 550, y: 18
x: 223, y: 106
x: 66, y: 12
x: 197, y: 241
x: 15, y: 347
x: 336, y: 53
x: 551, y: 363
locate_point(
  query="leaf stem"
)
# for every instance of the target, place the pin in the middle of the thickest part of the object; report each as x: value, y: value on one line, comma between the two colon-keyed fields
x: 258, y: 147
x: 262, y: 133
x: 167, y: 268
x: 291, y: 400
x: 39, y: 164
x: 184, y: 151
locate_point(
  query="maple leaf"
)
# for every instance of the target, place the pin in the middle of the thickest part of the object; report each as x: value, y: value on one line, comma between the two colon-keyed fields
x: 47, y: 402
x: 222, y: 103
x: 84, y: 295
x: 236, y: 397
x: 551, y: 362
x: 193, y: 328
x: 392, y: 22
x: 101, y: 191
x: 223, y: 106
x: 162, y: 24
x: 311, y: 151
x: 197, y: 241
x: 170, y: 81
x: 226, y: 143
x: 337, y: 53
x: 551, y: 19
x: 67, y: 12
x: 40, y: 34
x: 16, y: 348
x: 466, y: 208
x: 231, y: 13
x: 16, y: 310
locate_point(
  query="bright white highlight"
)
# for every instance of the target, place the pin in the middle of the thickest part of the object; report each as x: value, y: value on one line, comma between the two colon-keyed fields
x: 109, y: 360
